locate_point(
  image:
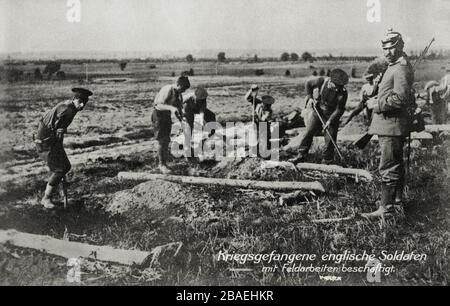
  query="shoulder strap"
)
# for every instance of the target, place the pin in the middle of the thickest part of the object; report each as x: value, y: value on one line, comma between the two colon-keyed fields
x: 325, y: 83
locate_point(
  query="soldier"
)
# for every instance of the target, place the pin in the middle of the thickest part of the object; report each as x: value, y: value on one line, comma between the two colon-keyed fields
x: 434, y: 97
x: 195, y: 103
x: 167, y: 102
x: 391, y: 120
x: 49, y: 139
x: 263, y: 118
x: 329, y: 97
x: 251, y: 96
x: 369, y: 90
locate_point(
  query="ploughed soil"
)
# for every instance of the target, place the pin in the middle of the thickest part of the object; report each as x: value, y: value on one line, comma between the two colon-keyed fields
x: 206, y: 219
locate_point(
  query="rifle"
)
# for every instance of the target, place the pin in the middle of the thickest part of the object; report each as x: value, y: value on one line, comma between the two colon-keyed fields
x: 362, y: 142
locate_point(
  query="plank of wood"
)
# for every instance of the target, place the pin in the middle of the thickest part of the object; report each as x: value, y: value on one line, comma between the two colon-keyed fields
x: 435, y: 128
x: 248, y: 184
x: 69, y: 249
x: 336, y: 169
x: 319, y: 141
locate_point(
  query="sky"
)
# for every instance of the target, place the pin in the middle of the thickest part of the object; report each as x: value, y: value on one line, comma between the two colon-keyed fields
x: 195, y: 25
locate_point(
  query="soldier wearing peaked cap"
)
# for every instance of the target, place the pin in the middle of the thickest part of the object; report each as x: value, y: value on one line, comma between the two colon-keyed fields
x: 391, y: 120
x: 50, y: 135
x: 329, y: 97
x: 195, y: 103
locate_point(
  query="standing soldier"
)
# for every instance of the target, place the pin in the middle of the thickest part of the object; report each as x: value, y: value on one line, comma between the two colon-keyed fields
x: 195, y: 103
x: 49, y: 139
x: 263, y: 119
x: 251, y: 96
x: 167, y: 102
x: 391, y: 120
x: 329, y: 97
x: 369, y: 90
x: 438, y: 106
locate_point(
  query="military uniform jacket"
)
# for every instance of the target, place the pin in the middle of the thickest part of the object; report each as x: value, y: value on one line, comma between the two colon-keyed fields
x: 192, y: 106
x: 60, y: 117
x: 395, y: 95
x: 263, y: 115
x: 331, y: 99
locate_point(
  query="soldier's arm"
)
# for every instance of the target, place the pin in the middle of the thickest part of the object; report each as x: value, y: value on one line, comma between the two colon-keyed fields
x: 63, y: 118
x: 355, y: 112
x: 311, y: 84
x: 399, y: 96
x: 340, y: 108
x: 161, y: 101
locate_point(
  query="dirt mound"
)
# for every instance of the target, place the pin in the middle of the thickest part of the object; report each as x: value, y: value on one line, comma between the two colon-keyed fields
x: 247, y: 169
x: 151, y: 195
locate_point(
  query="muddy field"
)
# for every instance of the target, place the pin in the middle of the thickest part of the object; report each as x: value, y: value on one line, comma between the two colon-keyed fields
x: 114, y: 134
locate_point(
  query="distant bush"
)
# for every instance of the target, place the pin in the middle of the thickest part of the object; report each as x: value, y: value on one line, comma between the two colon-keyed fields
x: 294, y: 57
x: 51, y: 68
x: 311, y: 67
x: 123, y: 65
x: 221, y: 57
x: 314, y: 73
x: 189, y: 58
x: 173, y: 74
x: 13, y: 75
x: 284, y: 57
x: 259, y: 72
x: 37, y: 74
x: 152, y: 66
x: 307, y: 57
x: 287, y: 73
x: 60, y: 75
x: 322, y: 72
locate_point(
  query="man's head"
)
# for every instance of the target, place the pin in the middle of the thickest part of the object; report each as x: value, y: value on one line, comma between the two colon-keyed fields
x: 81, y: 97
x: 339, y: 78
x: 267, y: 101
x: 393, y: 46
x: 201, y: 94
x: 369, y: 78
x: 183, y: 83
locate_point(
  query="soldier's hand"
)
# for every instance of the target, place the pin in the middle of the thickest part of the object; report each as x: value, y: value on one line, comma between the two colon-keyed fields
x: 60, y: 134
x: 316, y: 94
x: 372, y: 103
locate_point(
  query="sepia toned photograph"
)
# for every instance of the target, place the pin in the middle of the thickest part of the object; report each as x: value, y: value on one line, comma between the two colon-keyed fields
x: 212, y: 143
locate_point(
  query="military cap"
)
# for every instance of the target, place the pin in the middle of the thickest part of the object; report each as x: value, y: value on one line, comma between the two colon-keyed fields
x: 183, y: 81
x: 339, y: 77
x: 201, y: 93
x: 82, y: 93
x: 368, y: 76
x: 269, y: 100
x: 392, y: 39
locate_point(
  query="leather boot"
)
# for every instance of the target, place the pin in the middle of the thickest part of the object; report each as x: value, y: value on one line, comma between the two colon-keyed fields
x: 46, y: 200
